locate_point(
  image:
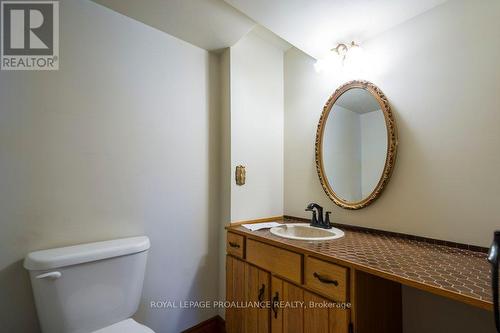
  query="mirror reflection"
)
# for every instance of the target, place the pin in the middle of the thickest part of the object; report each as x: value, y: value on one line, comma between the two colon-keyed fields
x: 354, y: 145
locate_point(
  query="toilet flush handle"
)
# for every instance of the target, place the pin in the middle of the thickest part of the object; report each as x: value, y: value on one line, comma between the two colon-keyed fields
x: 49, y: 275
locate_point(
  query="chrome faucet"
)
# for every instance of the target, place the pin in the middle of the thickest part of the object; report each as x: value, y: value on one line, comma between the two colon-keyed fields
x: 317, y: 217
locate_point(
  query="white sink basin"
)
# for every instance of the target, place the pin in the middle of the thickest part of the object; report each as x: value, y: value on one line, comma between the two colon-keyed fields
x: 302, y: 231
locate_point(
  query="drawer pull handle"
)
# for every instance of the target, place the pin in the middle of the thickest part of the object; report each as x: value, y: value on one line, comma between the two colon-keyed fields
x: 234, y: 244
x: 325, y: 279
x: 261, y: 293
x: 275, y: 304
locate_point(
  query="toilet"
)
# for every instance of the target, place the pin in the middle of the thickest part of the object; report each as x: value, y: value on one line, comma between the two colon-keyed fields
x: 94, y: 287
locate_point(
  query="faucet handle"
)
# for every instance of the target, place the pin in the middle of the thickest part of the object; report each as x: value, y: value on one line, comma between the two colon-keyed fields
x: 314, y: 219
x: 327, y: 218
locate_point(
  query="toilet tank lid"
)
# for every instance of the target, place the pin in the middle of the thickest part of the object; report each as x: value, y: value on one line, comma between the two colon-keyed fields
x: 77, y: 254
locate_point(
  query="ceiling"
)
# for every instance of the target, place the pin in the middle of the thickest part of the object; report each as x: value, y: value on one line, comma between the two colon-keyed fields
x: 209, y: 24
x: 358, y: 100
x: 315, y: 26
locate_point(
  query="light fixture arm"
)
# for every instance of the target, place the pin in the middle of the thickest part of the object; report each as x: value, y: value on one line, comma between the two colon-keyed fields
x: 342, y: 49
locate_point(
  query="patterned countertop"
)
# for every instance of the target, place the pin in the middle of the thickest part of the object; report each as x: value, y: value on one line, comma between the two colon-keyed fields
x: 452, y: 270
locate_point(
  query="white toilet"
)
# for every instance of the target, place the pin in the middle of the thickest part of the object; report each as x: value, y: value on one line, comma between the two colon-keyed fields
x: 93, y: 287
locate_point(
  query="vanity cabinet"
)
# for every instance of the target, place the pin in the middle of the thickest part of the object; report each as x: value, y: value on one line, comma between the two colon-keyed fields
x: 286, y: 307
x: 299, y: 293
x: 247, y: 287
x: 289, y: 317
x: 257, y: 288
x: 235, y: 293
x: 273, y: 277
x: 298, y: 316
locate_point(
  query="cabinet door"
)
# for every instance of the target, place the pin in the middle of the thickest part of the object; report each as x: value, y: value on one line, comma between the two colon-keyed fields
x: 235, y: 292
x: 276, y: 311
x: 321, y: 318
x: 315, y: 317
x: 257, y: 292
x: 287, y: 313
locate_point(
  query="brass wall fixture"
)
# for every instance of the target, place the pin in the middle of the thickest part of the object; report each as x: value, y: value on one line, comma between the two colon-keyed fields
x: 240, y: 175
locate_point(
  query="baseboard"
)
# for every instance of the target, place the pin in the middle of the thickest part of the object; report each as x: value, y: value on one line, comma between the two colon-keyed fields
x: 213, y: 325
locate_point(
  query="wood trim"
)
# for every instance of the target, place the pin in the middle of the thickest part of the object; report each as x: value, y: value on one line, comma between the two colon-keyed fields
x: 352, y: 297
x: 367, y: 269
x: 392, y: 144
x: 264, y: 219
x: 212, y: 325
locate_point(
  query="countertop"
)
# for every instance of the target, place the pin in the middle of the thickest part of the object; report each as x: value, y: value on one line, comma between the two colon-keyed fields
x: 443, y: 268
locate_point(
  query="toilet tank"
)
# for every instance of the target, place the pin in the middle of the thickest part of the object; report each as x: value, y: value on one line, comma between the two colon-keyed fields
x: 82, y: 288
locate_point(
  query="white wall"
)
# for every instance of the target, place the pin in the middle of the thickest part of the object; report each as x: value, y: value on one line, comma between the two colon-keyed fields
x: 121, y: 141
x: 373, y: 149
x: 441, y: 76
x: 256, y: 107
x: 440, y: 72
x: 342, y: 152
x: 225, y: 167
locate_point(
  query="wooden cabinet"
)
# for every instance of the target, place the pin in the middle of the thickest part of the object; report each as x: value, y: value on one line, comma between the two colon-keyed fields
x: 299, y: 293
x: 292, y: 313
x: 281, y: 262
x: 257, y: 291
x: 235, y: 293
x: 248, y: 288
x: 324, y: 316
x: 302, y: 311
x: 276, y: 310
x: 326, y: 278
x: 235, y: 245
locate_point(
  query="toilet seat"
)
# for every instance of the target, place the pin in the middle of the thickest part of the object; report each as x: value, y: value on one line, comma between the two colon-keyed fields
x: 127, y: 325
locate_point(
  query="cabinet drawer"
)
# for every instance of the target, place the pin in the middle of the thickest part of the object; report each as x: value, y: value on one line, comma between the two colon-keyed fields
x: 326, y: 278
x: 281, y: 262
x: 235, y: 244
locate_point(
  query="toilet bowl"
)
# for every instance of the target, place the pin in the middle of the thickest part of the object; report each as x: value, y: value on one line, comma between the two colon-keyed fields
x: 94, y: 287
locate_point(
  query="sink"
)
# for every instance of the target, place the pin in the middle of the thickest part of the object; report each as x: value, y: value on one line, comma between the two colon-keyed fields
x: 302, y: 231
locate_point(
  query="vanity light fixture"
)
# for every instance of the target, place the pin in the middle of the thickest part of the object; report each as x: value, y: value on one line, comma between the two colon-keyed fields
x: 338, y: 56
x: 342, y: 49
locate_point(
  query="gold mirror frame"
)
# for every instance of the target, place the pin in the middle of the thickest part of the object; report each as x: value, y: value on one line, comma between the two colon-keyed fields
x: 392, y: 143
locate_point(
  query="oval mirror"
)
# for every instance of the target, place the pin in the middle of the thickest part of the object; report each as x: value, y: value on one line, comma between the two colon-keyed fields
x: 356, y: 144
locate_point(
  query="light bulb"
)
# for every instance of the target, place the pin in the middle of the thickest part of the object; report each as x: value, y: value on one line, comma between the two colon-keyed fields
x: 354, y: 61
x: 329, y: 63
x: 355, y: 52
